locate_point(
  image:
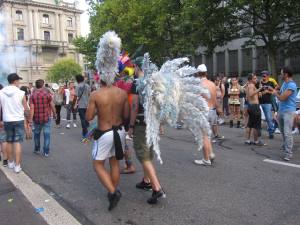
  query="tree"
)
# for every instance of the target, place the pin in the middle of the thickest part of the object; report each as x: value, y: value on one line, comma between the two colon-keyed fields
x: 63, y: 70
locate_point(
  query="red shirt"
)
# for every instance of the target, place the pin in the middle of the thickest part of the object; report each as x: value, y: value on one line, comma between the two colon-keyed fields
x: 41, y: 99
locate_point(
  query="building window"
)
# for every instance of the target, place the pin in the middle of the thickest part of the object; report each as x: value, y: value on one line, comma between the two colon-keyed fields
x: 19, y: 15
x: 46, y: 19
x: 20, y: 34
x: 47, y: 35
x: 69, y: 22
x: 70, y: 37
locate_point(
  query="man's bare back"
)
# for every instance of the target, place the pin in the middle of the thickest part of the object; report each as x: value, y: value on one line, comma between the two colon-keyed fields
x: 110, y: 105
x: 251, y: 94
x: 212, y: 99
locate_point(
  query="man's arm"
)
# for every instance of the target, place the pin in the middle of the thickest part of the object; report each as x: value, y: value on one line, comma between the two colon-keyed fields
x: 252, y: 90
x: 284, y: 96
x: 26, y: 109
x: 90, y: 111
x: 133, y: 113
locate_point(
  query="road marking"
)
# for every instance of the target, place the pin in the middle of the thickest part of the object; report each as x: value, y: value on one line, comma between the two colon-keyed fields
x: 53, y: 214
x: 281, y: 163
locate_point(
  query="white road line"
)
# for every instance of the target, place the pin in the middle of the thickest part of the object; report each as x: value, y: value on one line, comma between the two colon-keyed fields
x: 281, y: 163
x: 53, y: 213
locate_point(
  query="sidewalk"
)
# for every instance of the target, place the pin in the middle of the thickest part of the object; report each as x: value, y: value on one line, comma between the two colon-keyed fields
x: 14, y: 207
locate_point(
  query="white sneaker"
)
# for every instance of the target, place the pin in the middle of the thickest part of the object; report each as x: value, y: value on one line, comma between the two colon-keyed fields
x: 295, y: 131
x: 18, y: 169
x: 277, y: 131
x: 202, y: 162
x: 68, y: 126
x: 11, y: 165
x: 221, y: 121
x: 74, y: 125
x: 212, y: 156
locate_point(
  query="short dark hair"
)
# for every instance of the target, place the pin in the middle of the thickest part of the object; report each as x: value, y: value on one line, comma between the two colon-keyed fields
x: 79, y: 78
x: 39, y: 83
x: 287, y: 70
x: 250, y: 76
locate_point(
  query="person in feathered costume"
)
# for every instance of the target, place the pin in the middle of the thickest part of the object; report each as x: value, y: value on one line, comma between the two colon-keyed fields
x: 112, y: 110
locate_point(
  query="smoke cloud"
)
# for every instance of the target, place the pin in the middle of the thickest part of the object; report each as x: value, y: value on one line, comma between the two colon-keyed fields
x: 12, y: 56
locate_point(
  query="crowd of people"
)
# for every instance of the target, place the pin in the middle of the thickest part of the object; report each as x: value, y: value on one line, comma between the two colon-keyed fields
x: 28, y: 111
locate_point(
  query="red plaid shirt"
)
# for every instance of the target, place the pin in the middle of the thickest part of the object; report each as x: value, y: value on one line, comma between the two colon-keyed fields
x: 41, y: 99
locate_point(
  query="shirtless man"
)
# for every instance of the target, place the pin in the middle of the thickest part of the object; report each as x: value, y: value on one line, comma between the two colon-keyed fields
x: 208, y: 154
x: 254, y: 121
x: 110, y: 104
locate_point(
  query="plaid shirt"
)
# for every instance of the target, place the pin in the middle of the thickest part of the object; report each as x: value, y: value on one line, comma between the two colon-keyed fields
x: 41, y: 99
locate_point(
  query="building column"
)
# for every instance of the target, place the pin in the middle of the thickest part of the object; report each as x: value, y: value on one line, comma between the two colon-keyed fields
x: 62, y: 27
x: 254, y: 59
x: 240, y: 61
x: 57, y: 28
x: 31, y: 25
x: 214, y: 58
x: 226, y: 61
x: 36, y: 25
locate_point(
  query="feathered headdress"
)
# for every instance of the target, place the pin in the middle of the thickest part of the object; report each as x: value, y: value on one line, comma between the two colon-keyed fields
x: 108, y: 53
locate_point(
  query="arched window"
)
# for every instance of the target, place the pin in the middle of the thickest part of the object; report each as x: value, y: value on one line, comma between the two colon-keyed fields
x: 19, y: 15
x: 20, y: 34
x: 70, y: 22
x: 47, y: 35
x: 45, y: 18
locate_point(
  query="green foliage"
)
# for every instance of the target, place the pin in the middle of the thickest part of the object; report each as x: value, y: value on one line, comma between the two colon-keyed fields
x: 63, y: 70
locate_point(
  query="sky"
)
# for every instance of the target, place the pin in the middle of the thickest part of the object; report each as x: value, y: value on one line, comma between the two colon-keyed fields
x: 85, y: 26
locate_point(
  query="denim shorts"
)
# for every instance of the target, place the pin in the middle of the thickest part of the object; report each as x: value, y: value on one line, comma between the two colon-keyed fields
x: 2, y: 135
x: 14, y: 131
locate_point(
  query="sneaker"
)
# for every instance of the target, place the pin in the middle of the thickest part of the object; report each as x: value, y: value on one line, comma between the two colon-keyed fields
x: 277, y: 131
x: 36, y: 152
x: 221, y: 121
x: 68, y: 126
x: 58, y: 126
x: 259, y: 143
x: 218, y: 137
x: 5, y: 162
x: 248, y: 142
x: 287, y: 158
x: 202, y: 162
x: 114, y: 199
x: 18, y: 169
x: 144, y: 186
x: 11, y: 165
x: 295, y: 131
x: 46, y: 155
x: 74, y: 125
x: 155, y: 196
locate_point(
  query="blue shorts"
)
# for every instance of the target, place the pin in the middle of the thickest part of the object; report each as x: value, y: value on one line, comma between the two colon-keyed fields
x: 2, y: 135
x: 14, y: 131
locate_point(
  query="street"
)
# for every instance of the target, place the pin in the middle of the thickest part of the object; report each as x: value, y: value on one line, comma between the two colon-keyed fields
x: 239, y: 189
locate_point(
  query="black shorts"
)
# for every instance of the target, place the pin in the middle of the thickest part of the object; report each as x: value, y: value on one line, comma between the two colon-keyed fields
x: 254, y: 116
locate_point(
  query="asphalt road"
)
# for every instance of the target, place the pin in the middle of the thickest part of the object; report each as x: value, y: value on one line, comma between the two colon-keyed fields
x: 240, y: 188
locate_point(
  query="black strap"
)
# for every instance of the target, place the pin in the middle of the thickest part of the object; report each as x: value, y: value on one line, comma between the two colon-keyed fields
x: 81, y: 93
x: 117, y: 140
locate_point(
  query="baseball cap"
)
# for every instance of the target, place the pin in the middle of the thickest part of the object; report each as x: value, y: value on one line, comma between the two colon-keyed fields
x: 202, y: 68
x: 265, y: 72
x: 13, y: 77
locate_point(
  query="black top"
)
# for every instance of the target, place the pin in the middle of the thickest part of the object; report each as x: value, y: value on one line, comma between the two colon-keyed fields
x: 266, y: 98
x: 226, y: 86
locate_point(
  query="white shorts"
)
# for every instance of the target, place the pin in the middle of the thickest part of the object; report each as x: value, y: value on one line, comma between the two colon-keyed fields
x: 104, y: 147
x: 212, y: 117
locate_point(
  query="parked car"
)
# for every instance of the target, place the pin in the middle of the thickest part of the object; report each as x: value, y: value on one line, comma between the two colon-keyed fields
x: 298, y: 98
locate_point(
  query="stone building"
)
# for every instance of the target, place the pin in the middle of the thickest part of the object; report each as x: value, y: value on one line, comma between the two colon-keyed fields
x: 234, y: 59
x: 42, y: 31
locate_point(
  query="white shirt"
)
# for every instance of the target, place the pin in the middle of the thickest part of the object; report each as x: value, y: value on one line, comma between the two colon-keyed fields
x: 11, y: 98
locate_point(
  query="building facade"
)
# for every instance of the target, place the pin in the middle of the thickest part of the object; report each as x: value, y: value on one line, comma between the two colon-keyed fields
x: 234, y: 59
x: 42, y: 31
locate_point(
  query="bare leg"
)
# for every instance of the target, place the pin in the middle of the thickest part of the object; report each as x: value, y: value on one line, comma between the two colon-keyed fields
x: 207, y: 148
x: 255, y: 134
x: 232, y: 112
x: 114, y: 171
x: 150, y: 174
x: 18, y: 152
x: 215, y: 130
x: 238, y: 112
x: 248, y: 133
x: 9, y: 151
x: 103, y: 175
x: 4, y: 151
